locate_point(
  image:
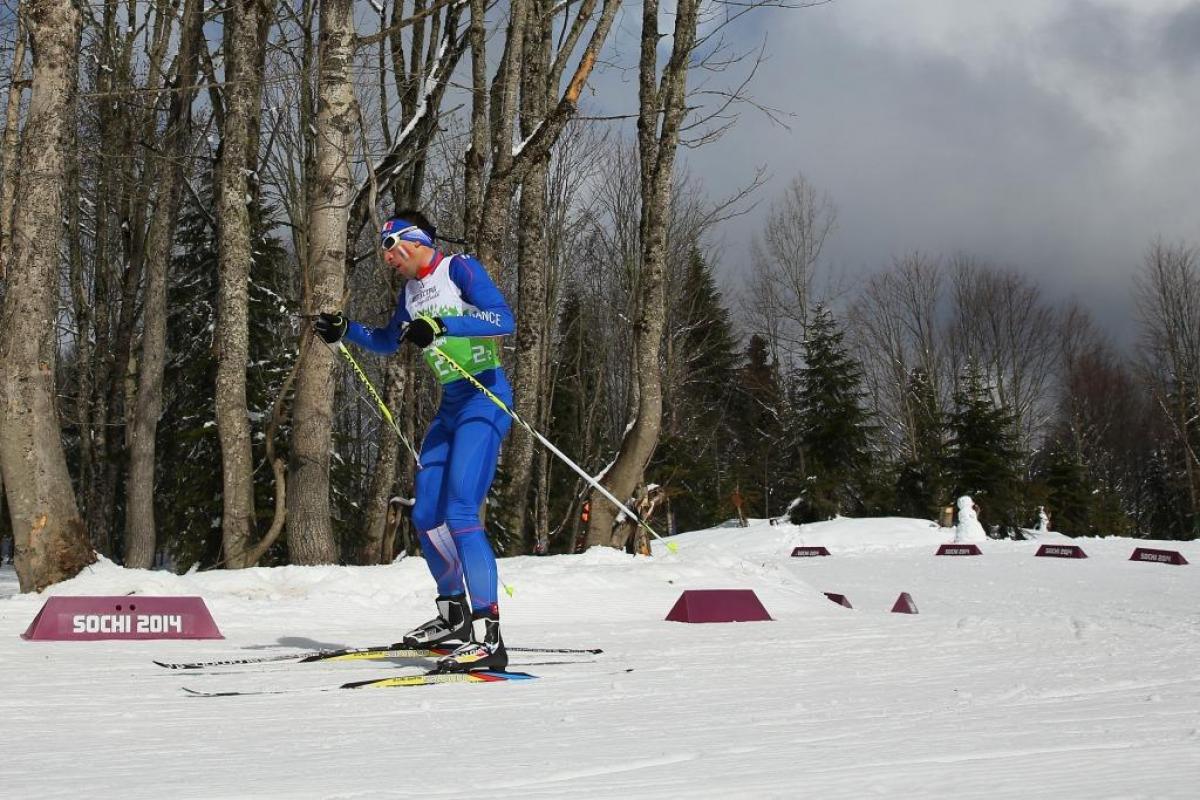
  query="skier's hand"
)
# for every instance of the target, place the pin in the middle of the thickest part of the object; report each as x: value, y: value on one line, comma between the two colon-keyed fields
x: 423, y: 330
x: 331, y: 327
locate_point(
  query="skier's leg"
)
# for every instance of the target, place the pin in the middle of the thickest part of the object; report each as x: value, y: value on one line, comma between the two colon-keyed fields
x: 441, y: 556
x: 428, y: 515
x: 480, y: 430
x: 477, y: 439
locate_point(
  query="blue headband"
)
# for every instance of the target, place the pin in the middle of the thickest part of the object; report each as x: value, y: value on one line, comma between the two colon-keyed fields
x: 406, y: 232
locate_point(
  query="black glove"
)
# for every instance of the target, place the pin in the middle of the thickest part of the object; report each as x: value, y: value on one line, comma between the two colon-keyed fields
x: 423, y: 330
x: 331, y: 327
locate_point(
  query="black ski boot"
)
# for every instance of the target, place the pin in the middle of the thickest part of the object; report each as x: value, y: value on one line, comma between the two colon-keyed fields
x: 484, y: 651
x: 453, y: 623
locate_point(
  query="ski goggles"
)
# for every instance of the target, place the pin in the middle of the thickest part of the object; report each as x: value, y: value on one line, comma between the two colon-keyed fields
x: 396, y: 231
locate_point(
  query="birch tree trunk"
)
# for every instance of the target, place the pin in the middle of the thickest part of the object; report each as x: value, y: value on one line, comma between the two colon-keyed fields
x: 657, y: 145
x: 8, y: 148
x: 309, y: 528
x: 140, y: 533
x: 475, y: 159
x: 531, y: 284
x: 242, y: 95
x: 49, y: 536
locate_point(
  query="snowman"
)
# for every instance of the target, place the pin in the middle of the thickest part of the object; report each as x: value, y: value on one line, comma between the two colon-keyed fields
x: 968, y: 528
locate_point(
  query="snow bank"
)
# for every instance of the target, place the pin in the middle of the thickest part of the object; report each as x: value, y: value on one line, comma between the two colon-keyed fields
x: 1021, y: 676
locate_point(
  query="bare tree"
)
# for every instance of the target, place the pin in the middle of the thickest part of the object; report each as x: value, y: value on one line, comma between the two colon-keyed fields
x: 509, y: 164
x: 1101, y: 403
x: 238, y: 158
x: 786, y: 260
x: 1000, y: 321
x: 422, y: 87
x: 330, y: 192
x: 532, y: 279
x: 661, y: 112
x: 51, y: 541
x: 8, y: 145
x: 106, y: 318
x: 1168, y: 293
x: 169, y: 175
x: 898, y: 329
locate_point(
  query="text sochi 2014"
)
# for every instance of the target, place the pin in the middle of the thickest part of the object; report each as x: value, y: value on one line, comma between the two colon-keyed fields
x: 127, y: 623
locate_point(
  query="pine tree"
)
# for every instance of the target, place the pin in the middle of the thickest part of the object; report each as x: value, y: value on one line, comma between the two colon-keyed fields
x: 1164, y: 496
x: 984, y: 457
x: 1080, y: 503
x: 1068, y: 487
x: 835, y: 427
x: 756, y: 415
x: 692, y: 460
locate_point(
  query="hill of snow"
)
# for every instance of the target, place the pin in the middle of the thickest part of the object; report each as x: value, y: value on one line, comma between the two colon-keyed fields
x: 1020, y: 676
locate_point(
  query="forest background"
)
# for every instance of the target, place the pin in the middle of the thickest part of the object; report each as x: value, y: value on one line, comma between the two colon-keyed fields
x: 184, y: 183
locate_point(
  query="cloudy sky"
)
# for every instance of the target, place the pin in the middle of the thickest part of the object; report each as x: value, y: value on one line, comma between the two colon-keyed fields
x: 1057, y: 137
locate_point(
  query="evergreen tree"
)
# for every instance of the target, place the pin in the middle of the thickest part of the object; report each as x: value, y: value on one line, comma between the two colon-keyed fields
x: 1068, y: 487
x: 984, y: 458
x: 756, y: 415
x: 1164, y: 496
x: 835, y: 429
x: 692, y: 460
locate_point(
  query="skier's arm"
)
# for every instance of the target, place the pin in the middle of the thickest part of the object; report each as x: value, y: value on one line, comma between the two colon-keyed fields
x: 385, y: 340
x: 494, y: 317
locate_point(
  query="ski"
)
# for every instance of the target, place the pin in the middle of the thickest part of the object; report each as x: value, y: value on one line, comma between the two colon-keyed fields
x: 392, y: 681
x: 342, y: 654
x: 357, y: 654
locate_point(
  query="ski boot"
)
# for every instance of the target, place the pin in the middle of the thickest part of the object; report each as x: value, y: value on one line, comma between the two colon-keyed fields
x: 453, y: 622
x: 484, y: 651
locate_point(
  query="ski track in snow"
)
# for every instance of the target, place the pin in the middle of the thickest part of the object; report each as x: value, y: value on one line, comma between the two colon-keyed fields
x: 1020, y: 677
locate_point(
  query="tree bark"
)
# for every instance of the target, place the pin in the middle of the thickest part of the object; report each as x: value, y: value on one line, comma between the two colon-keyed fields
x: 309, y: 529
x: 476, y: 156
x: 50, y: 539
x: 140, y: 530
x: 242, y: 96
x: 656, y: 152
x: 9, y: 146
x: 96, y: 374
x: 531, y: 284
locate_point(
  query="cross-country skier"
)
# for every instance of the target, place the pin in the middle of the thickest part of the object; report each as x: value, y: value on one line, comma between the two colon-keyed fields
x: 449, y: 301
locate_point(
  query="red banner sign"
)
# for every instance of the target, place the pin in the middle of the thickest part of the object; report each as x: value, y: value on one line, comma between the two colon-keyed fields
x: 127, y: 617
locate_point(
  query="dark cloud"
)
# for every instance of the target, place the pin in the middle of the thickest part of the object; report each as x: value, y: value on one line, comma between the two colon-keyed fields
x: 1181, y: 38
x: 1039, y: 157
x: 1106, y: 40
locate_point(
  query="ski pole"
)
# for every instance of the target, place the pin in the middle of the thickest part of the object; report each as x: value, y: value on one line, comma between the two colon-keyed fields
x: 546, y: 442
x: 384, y: 411
x: 383, y: 408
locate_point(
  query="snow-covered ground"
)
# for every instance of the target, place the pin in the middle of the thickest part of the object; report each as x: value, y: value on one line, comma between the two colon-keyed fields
x: 1020, y: 677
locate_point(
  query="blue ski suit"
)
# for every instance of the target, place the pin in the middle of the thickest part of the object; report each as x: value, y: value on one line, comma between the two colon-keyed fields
x: 458, y: 456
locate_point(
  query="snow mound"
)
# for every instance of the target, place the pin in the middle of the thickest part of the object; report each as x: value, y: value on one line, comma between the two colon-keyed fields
x: 762, y: 540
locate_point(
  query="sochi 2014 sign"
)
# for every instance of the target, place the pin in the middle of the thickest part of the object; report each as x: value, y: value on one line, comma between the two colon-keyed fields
x: 1060, y: 551
x: 127, y: 617
x: 1158, y: 556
